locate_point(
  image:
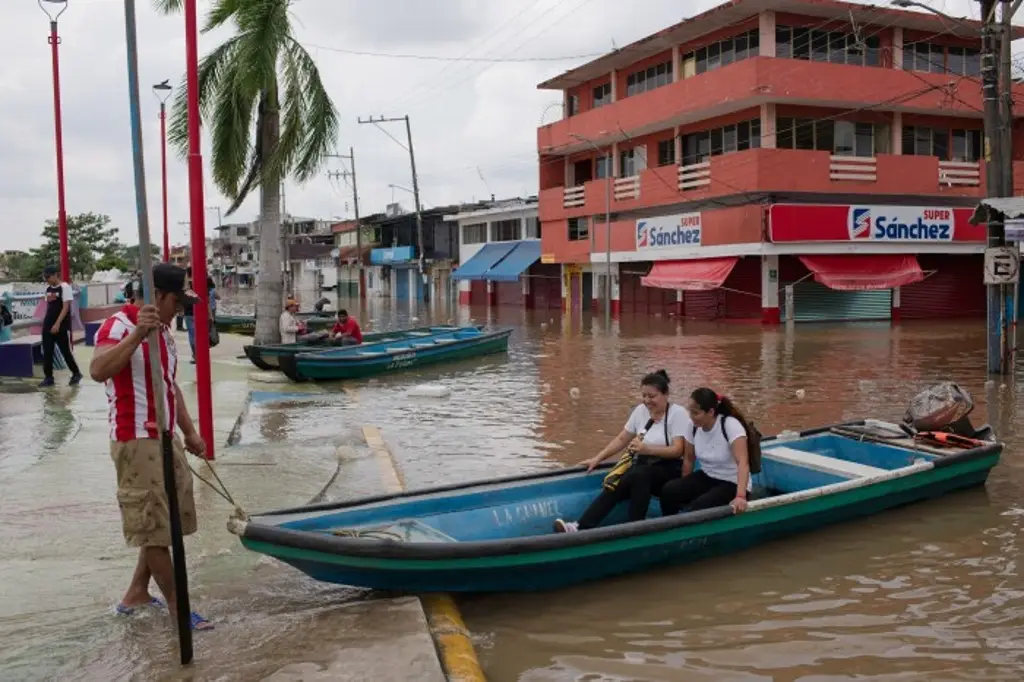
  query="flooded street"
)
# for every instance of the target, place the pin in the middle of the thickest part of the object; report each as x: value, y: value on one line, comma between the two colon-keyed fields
x: 928, y: 592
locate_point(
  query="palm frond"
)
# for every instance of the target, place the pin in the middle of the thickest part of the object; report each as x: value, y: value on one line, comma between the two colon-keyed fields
x: 168, y: 6
x: 222, y: 12
x: 320, y: 118
x: 211, y: 76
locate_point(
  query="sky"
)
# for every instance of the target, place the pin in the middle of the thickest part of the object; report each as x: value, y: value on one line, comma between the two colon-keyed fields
x: 473, y: 122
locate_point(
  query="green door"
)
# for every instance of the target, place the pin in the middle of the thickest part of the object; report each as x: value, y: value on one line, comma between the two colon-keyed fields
x: 813, y: 302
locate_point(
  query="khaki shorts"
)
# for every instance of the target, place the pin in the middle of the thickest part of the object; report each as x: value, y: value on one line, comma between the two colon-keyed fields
x: 145, y: 516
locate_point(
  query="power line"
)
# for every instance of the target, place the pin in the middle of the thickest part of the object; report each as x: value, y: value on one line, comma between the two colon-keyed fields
x: 443, y: 58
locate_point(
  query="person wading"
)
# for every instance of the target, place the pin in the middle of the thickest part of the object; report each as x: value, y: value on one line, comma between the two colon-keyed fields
x: 57, y: 326
x: 121, y: 361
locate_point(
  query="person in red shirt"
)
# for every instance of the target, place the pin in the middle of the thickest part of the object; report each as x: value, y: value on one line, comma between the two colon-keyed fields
x: 346, y: 331
x: 121, y: 361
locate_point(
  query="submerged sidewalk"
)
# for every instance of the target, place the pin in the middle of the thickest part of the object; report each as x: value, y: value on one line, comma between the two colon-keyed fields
x: 60, y: 528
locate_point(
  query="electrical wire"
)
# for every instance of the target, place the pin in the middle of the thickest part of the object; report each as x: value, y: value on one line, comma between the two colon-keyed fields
x: 442, y: 58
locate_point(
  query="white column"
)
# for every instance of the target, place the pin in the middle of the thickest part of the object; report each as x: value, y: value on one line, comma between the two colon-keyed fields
x: 615, y: 160
x: 565, y: 288
x: 414, y: 279
x: 766, y: 33
x: 677, y: 67
x: 677, y: 142
x: 896, y: 145
x: 615, y: 89
x: 616, y: 295
x: 770, y: 289
x: 897, y: 48
x: 768, y: 125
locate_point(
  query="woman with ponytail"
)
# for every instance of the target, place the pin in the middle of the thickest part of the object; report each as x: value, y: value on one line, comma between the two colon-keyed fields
x: 654, y: 438
x: 719, y: 442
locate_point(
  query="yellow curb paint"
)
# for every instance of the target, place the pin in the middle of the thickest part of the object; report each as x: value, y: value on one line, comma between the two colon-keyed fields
x: 451, y: 637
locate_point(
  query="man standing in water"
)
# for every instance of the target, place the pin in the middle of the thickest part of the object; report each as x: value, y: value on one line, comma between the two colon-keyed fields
x: 121, y: 361
x: 57, y: 326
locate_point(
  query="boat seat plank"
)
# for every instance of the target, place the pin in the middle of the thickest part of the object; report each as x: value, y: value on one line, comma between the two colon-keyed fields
x: 811, y: 460
x: 443, y: 341
x: 422, y: 345
x: 419, y: 333
x: 371, y: 354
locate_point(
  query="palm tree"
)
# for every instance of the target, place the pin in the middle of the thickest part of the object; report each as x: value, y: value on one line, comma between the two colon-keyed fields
x: 269, y: 117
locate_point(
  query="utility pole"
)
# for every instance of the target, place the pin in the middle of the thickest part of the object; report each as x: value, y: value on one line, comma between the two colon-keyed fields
x: 415, y: 187
x: 351, y: 158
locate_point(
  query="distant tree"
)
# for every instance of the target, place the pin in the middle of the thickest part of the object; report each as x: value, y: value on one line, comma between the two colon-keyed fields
x: 131, y: 254
x: 92, y: 245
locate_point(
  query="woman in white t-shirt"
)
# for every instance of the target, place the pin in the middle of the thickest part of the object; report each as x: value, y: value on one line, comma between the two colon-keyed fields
x: 718, y: 440
x: 655, y: 434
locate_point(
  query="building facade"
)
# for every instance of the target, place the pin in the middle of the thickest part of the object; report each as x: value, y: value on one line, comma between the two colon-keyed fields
x: 398, y: 269
x: 774, y: 159
x: 499, y: 256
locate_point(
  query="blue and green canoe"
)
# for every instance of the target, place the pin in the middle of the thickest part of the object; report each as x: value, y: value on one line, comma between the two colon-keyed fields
x: 419, y: 349
x: 495, y: 536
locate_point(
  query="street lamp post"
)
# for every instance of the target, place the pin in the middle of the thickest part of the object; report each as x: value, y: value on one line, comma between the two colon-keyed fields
x: 53, y: 9
x: 607, y: 227
x: 163, y: 92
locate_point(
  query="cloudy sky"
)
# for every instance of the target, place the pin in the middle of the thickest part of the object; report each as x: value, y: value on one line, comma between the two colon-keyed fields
x: 474, y: 122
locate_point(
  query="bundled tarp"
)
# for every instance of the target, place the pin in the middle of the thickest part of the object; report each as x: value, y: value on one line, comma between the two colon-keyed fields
x: 938, y: 407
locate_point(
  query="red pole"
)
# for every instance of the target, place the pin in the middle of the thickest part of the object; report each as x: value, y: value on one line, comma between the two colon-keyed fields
x: 62, y: 215
x: 197, y: 215
x: 163, y: 164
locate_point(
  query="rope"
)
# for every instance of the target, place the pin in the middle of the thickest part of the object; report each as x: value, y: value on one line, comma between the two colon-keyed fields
x: 239, y: 513
x: 378, y: 534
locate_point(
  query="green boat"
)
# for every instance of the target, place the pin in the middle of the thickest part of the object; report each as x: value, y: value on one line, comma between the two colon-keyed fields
x: 246, y: 324
x: 353, y: 362
x: 268, y: 357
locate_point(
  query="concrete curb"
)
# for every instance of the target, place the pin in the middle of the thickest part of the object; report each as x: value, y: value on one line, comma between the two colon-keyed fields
x: 454, y: 645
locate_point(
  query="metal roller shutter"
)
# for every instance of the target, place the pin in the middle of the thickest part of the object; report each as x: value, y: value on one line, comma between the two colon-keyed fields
x: 510, y: 293
x: 817, y: 303
x: 742, y: 290
x: 956, y: 288
x: 703, y: 305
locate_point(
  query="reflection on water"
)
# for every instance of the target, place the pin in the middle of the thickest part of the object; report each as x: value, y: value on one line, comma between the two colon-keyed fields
x: 929, y: 592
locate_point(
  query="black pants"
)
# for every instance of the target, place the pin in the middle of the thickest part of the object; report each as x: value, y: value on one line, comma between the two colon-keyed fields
x: 636, y: 485
x: 695, y: 491
x: 62, y: 340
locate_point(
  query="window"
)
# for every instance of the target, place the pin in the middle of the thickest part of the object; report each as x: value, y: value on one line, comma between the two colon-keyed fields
x: 241, y: 231
x: 574, y: 105
x: 648, y: 79
x: 842, y: 138
x: 698, y: 147
x: 835, y: 47
x: 627, y: 163
x: 531, y: 228
x: 721, y: 53
x: 506, y: 230
x: 602, y: 95
x: 667, y: 152
x: 474, y: 234
x: 578, y: 230
x: 929, y: 57
x: 956, y: 145
x: 601, y: 169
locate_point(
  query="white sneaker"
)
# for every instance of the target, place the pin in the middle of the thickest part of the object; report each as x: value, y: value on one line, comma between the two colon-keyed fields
x: 566, y: 526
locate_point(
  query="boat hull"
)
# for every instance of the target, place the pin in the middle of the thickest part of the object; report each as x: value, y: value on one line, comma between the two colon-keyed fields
x: 245, y: 325
x: 673, y: 540
x: 320, y: 367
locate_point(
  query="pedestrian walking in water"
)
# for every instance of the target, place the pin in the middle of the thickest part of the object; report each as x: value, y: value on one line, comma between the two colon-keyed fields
x: 122, y: 362
x: 57, y: 326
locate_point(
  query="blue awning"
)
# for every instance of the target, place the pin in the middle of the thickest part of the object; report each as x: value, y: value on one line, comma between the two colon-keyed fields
x: 508, y: 269
x: 477, y: 266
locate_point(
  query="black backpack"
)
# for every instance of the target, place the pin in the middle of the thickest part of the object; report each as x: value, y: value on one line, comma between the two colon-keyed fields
x: 6, y: 316
x: 753, y: 444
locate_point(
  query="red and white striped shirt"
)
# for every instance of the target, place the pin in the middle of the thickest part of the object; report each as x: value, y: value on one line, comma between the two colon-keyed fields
x: 132, y: 413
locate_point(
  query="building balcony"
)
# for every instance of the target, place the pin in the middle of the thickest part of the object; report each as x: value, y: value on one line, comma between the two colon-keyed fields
x: 749, y: 83
x: 775, y: 171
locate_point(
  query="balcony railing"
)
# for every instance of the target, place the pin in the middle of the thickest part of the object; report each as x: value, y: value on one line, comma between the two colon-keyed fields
x: 626, y: 188
x: 695, y: 175
x: 574, y: 197
x: 959, y: 173
x: 853, y: 169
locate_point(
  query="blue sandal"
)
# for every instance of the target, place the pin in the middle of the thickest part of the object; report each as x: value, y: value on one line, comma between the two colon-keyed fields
x: 123, y: 610
x: 199, y: 623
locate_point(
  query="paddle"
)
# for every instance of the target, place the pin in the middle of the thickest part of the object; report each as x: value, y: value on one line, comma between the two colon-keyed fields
x: 156, y: 371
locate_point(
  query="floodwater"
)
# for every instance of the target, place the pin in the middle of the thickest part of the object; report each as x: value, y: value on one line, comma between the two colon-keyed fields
x: 929, y: 592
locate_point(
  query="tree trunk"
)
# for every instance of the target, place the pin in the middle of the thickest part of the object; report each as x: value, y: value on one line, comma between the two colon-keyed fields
x: 270, y: 292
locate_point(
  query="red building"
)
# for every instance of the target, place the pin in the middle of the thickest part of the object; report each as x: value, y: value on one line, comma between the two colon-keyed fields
x: 816, y: 155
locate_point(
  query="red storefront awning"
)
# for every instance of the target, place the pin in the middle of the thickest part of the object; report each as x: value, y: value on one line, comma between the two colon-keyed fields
x: 690, y: 275
x: 862, y: 272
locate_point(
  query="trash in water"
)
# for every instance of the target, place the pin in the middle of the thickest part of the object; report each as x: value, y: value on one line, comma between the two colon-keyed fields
x: 800, y: 393
x: 574, y: 393
x: 430, y: 391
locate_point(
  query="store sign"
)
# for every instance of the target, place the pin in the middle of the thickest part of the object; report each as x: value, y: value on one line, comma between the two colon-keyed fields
x: 668, y: 231
x: 872, y: 224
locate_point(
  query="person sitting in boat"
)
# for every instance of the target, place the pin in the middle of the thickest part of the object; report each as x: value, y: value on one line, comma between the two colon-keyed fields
x: 322, y: 305
x: 346, y: 331
x: 654, y: 437
x: 291, y: 326
x: 718, y: 440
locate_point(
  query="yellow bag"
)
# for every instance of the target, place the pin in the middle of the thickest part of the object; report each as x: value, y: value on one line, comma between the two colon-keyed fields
x: 611, y: 481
